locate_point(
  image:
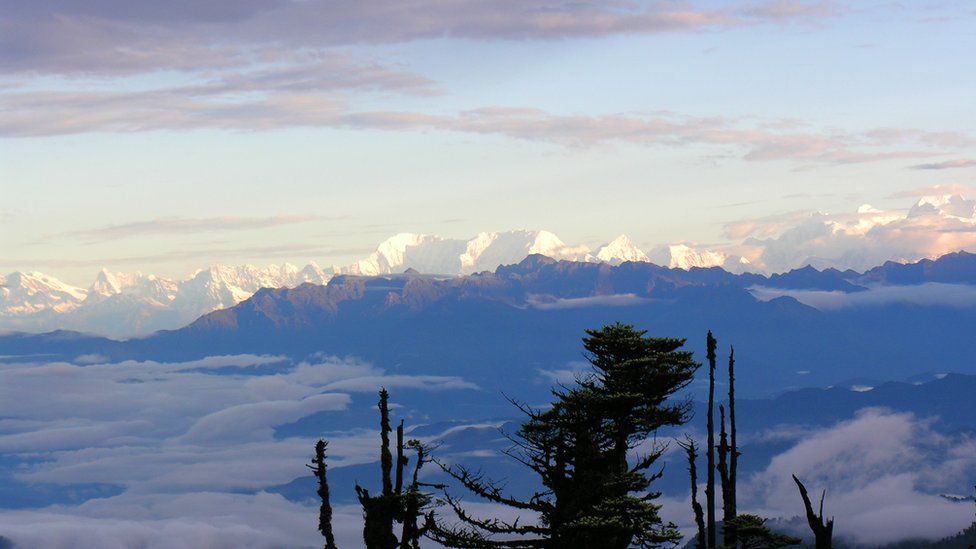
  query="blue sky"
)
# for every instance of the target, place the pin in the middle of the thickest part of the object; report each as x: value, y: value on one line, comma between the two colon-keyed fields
x: 233, y: 132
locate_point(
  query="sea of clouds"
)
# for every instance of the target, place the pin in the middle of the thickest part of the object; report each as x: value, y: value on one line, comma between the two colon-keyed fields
x: 186, y: 455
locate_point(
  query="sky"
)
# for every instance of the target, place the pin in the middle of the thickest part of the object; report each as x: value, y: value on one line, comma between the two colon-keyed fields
x: 137, y: 137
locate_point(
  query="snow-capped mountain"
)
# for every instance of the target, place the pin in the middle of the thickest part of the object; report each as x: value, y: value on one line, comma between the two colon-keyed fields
x: 953, y: 205
x: 620, y: 250
x: 33, y: 292
x: 683, y: 256
x: 485, y: 252
x: 126, y: 304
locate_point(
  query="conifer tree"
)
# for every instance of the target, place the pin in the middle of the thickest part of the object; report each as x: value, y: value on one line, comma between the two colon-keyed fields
x: 593, y: 496
x: 752, y: 533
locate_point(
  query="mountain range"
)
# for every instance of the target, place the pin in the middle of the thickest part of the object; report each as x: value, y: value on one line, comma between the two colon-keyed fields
x: 130, y: 304
x: 519, y: 326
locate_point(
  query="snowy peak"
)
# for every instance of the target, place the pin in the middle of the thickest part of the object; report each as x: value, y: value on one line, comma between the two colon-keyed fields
x: 425, y: 253
x: 28, y: 293
x: 485, y: 252
x: 682, y: 256
x: 620, y: 250
x: 953, y: 205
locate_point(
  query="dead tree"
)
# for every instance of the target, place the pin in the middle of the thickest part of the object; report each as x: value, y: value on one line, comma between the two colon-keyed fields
x: 710, y: 458
x: 727, y: 489
x: 728, y: 457
x: 318, y: 467
x: 396, y: 503
x: 692, y: 451
x: 734, y: 448
x: 823, y: 532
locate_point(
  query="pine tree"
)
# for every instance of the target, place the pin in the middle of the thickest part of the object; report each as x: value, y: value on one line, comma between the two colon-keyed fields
x: 593, y: 496
x: 752, y: 533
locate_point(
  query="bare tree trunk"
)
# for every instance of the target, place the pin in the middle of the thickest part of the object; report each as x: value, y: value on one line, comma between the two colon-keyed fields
x: 691, y: 451
x: 379, y: 512
x: 710, y: 483
x: 318, y: 467
x: 723, y: 472
x: 823, y: 532
x: 732, y: 507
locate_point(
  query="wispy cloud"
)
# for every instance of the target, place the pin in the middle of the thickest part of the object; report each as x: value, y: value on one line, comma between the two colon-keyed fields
x: 210, y: 255
x: 935, y: 190
x: 116, y: 36
x: 178, y: 225
x: 53, y: 113
x: 946, y: 165
x: 930, y: 295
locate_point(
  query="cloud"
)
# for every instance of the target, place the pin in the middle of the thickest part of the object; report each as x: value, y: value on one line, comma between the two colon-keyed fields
x: 941, y: 189
x: 149, y: 425
x: 38, y: 113
x: 114, y: 36
x: 929, y: 294
x: 258, y: 419
x: 210, y: 254
x: 190, y: 448
x: 948, y: 164
x: 938, y: 223
x: 153, y: 521
x: 616, y: 300
x: 883, y: 473
x: 177, y: 225
x: 570, y: 373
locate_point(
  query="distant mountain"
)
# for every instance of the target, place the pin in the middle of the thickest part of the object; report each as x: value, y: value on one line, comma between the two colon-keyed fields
x: 955, y: 268
x: 620, y: 250
x: 129, y: 304
x: 125, y: 304
x: 484, y: 252
x: 135, y: 304
x: 517, y: 328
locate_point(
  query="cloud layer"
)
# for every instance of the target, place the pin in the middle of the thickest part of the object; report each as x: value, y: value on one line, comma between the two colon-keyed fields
x: 187, y: 447
x: 883, y: 473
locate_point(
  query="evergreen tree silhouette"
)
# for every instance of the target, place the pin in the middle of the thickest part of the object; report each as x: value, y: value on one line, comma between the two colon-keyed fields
x: 752, y: 533
x: 593, y: 496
